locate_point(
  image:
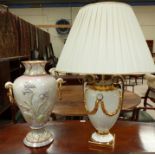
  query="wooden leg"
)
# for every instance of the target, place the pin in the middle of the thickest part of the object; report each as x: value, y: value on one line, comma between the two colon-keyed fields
x: 145, y: 98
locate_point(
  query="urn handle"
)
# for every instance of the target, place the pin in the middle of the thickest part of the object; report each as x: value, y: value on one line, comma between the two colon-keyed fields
x: 121, y: 79
x: 53, y: 72
x: 9, y: 87
x: 60, y: 81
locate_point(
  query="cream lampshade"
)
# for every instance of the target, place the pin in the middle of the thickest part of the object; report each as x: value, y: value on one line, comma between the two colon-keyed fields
x: 105, y: 39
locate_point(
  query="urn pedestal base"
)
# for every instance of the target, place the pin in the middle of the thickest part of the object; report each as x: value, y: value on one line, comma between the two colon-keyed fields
x: 38, y: 138
x: 107, y: 140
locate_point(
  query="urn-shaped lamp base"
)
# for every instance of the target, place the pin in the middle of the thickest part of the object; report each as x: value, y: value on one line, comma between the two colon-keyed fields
x: 38, y: 138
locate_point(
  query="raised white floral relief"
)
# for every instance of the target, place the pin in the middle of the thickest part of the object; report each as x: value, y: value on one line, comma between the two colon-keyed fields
x: 34, y: 105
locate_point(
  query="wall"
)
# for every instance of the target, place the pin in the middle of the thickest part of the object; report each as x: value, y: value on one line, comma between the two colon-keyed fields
x: 146, y: 18
x: 145, y: 15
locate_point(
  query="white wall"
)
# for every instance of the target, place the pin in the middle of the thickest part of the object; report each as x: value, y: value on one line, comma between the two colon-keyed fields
x: 146, y: 18
x: 40, y: 16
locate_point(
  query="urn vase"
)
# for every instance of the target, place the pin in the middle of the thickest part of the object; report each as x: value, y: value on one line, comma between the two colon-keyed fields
x: 103, y: 104
x: 35, y: 93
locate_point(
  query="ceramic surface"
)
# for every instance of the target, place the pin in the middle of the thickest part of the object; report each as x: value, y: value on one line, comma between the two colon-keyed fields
x: 100, y: 120
x: 35, y: 93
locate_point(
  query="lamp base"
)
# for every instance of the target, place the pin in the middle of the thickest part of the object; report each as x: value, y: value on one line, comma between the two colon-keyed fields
x: 38, y: 138
x: 106, y: 140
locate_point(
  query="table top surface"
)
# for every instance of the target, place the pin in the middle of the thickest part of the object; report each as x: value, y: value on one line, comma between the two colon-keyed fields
x: 72, y: 102
x: 73, y: 137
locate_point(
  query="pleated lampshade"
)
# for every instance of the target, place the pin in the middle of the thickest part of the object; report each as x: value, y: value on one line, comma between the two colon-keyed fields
x: 106, y: 39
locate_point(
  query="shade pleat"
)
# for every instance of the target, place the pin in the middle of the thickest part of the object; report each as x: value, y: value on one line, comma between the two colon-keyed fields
x: 106, y: 39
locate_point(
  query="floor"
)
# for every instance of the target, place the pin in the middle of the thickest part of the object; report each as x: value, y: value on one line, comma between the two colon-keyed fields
x: 140, y: 90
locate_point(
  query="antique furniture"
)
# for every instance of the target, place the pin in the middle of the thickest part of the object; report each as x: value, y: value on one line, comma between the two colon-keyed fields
x: 73, y: 136
x: 141, y: 113
x: 136, y: 78
x: 150, y: 94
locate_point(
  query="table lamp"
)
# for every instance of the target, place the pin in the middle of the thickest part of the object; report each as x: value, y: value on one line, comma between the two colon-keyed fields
x: 105, y: 40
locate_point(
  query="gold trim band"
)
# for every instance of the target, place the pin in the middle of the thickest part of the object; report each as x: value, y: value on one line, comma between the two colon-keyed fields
x: 102, y: 88
x: 103, y: 144
x: 103, y: 132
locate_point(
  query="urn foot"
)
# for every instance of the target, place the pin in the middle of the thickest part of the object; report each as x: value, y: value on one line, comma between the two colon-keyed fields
x: 102, y: 139
x: 38, y: 138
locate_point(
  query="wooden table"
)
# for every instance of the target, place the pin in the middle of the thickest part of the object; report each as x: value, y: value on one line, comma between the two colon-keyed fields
x: 136, y: 77
x: 73, y: 136
x: 72, y: 104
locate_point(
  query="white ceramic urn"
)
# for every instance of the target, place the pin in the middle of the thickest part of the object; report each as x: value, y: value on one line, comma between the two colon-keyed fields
x: 103, y: 105
x: 35, y: 93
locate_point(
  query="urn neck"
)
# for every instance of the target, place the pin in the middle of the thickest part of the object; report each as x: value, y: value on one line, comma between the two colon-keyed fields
x: 34, y: 67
